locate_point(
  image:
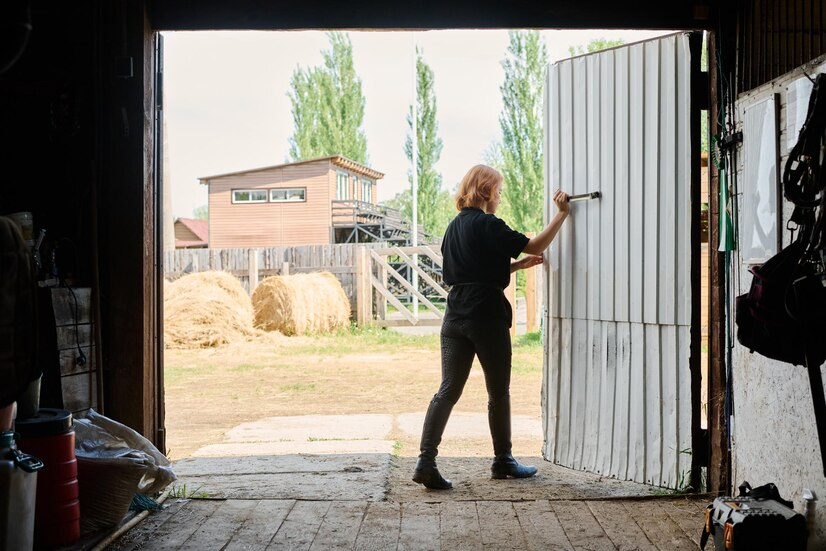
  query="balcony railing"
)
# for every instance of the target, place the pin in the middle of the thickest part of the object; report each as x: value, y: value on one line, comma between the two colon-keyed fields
x: 387, y: 222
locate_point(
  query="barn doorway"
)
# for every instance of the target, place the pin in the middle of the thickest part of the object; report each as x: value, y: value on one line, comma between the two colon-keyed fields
x: 276, y: 394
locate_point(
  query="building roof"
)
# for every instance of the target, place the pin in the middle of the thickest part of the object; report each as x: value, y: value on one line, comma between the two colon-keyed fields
x: 199, y: 227
x: 337, y: 160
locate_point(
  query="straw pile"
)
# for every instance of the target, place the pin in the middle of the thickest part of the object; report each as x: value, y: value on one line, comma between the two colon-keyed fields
x: 206, y: 309
x: 301, y: 304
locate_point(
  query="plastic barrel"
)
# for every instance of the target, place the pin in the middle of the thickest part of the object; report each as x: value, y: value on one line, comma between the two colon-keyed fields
x: 49, y: 436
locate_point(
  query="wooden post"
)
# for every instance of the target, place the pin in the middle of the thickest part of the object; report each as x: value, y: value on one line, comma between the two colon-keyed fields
x: 285, y: 268
x: 530, y: 299
x: 510, y: 294
x: 194, y: 263
x: 364, y: 299
x: 382, y: 301
x: 539, y: 300
x: 253, y: 269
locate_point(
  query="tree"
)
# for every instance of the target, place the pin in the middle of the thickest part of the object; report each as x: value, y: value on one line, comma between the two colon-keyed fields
x: 328, y: 106
x: 432, y: 215
x: 595, y: 45
x: 519, y: 155
x: 201, y: 213
x: 443, y: 211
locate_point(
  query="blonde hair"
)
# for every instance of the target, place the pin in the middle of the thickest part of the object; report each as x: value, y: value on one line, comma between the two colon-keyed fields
x: 477, y: 187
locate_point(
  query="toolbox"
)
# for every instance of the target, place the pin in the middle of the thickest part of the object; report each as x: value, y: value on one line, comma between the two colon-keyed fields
x: 751, y: 524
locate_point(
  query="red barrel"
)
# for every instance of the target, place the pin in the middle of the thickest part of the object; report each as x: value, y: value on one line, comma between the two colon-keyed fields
x: 50, y: 436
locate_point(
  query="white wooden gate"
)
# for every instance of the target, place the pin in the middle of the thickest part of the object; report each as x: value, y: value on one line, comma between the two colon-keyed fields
x: 414, y: 270
x: 616, y: 391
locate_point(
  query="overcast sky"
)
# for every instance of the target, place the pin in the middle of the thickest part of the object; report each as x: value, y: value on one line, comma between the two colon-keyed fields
x: 227, y: 108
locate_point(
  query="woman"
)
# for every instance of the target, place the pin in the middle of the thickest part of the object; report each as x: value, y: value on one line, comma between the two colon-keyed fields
x: 477, y: 249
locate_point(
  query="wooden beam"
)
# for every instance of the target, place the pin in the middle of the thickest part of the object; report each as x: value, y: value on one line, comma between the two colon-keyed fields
x: 421, y: 322
x: 430, y: 281
x: 530, y: 300
x: 404, y: 284
x: 253, y: 269
x: 718, y: 457
x: 393, y: 300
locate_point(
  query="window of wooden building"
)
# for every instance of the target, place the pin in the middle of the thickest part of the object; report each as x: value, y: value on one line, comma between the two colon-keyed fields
x: 366, y: 190
x: 249, y: 195
x: 342, y: 185
x: 288, y: 195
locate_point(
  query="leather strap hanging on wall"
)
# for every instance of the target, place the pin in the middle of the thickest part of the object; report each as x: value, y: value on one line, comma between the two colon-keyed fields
x: 783, y: 316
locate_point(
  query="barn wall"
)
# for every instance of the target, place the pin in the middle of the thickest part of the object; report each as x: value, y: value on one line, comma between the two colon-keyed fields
x: 773, y: 431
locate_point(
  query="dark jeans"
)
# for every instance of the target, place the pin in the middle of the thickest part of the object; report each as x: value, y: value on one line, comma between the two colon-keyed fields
x: 488, y: 339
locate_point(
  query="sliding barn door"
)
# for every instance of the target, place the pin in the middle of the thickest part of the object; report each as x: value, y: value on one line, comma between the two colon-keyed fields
x: 616, y: 396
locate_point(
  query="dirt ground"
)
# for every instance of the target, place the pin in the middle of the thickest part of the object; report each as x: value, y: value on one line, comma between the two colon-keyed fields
x: 210, y: 391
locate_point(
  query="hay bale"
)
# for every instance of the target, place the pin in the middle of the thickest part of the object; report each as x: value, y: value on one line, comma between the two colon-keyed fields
x: 197, y: 281
x: 301, y: 304
x: 206, y: 309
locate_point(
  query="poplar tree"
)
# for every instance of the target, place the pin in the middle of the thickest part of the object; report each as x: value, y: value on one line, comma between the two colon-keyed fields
x: 328, y: 106
x: 595, y: 45
x: 519, y: 156
x: 433, y: 204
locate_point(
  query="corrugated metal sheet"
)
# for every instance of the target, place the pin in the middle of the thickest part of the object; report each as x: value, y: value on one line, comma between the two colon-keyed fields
x: 617, y: 392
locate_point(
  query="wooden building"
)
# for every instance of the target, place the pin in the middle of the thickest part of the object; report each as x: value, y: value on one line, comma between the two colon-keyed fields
x: 191, y: 233
x: 309, y: 202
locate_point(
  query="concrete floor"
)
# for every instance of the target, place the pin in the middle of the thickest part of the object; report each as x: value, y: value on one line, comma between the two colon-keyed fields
x: 324, y: 482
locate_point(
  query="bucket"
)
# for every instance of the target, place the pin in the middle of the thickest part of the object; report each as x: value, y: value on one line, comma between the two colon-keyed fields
x: 18, y: 484
x: 49, y: 436
x: 25, y: 223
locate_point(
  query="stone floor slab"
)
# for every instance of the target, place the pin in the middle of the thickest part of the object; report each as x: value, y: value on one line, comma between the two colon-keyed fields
x: 323, y: 477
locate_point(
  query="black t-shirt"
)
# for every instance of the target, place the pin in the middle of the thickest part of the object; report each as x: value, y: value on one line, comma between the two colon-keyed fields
x: 477, y: 249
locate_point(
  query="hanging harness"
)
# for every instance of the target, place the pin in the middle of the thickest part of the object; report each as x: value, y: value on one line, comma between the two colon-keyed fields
x: 783, y: 316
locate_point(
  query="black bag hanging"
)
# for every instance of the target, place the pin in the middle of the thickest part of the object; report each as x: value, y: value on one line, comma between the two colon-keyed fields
x: 780, y: 317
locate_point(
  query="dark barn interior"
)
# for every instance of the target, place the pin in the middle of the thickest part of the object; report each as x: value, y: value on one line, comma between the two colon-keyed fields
x: 80, y: 118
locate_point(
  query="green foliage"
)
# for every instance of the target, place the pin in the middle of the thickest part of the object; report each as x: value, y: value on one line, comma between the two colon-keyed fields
x: 434, y: 205
x: 595, y: 45
x: 328, y: 106
x: 533, y: 338
x: 441, y: 212
x: 519, y: 157
x: 201, y: 213
x: 181, y: 491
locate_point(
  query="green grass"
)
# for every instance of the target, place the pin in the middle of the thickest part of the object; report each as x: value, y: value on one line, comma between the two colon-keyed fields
x: 297, y: 387
x: 173, y: 374
x: 240, y: 368
x: 526, y: 368
x: 181, y: 491
x: 528, y: 340
x: 358, y: 339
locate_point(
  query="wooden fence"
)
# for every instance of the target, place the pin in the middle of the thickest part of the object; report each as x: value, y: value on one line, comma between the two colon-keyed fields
x: 252, y: 265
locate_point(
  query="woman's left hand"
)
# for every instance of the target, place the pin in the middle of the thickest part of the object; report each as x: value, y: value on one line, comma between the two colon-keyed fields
x: 531, y: 260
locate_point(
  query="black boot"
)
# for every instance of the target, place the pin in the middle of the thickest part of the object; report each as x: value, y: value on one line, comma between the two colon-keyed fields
x: 504, y: 465
x: 434, y: 426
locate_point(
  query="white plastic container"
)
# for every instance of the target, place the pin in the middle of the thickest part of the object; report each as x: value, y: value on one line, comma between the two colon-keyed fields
x: 17, y: 499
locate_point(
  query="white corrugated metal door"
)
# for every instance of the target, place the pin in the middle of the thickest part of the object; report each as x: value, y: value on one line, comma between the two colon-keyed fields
x: 616, y: 397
